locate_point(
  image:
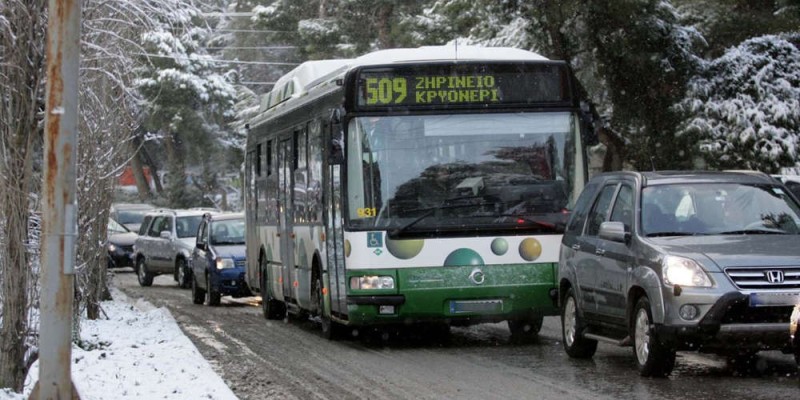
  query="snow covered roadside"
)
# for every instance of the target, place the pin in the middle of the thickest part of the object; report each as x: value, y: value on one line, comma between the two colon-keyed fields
x: 139, y: 352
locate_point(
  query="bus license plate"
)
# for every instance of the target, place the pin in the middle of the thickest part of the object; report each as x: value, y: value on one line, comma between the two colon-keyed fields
x: 476, y: 306
x: 774, y: 299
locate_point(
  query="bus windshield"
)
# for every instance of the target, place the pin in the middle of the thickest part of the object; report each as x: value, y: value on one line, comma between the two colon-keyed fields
x: 457, y: 172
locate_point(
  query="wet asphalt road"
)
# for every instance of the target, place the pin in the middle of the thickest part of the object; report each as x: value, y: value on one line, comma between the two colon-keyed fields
x: 262, y: 359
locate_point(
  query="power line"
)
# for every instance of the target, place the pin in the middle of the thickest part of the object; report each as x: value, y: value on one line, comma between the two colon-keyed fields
x: 252, y: 48
x: 221, y: 61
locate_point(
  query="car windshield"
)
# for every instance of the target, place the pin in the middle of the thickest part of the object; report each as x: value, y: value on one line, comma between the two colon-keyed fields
x: 465, y: 171
x: 186, y: 227
x: 714, y: 209
x: 116, y: 227
x: 131, y: 216
x: 227, y: 232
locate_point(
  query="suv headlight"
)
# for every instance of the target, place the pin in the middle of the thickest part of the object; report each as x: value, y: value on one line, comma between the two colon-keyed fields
x: 223, y: 263
x: 684, y: 272
x: 112, y: 248
x: 371, y: 282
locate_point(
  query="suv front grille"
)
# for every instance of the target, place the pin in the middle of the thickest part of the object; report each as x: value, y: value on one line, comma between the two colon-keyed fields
x: 757, y: 278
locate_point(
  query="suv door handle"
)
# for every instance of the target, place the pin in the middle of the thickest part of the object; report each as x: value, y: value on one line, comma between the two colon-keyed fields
x: 599, y: 252
x: 576, y: 247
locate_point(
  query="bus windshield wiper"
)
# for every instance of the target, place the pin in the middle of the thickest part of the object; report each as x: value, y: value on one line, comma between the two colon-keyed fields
x: 527, y: 219
x: 427, y: 212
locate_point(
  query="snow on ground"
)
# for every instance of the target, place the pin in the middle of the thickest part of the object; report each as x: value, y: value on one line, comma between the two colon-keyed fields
x: 138, y: 352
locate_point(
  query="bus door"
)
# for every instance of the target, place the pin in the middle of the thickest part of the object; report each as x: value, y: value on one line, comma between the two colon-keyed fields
x: 286, y: 216
x: 333, y: 224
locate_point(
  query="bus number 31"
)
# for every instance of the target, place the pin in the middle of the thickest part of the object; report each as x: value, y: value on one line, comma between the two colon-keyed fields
x: 386, y: 90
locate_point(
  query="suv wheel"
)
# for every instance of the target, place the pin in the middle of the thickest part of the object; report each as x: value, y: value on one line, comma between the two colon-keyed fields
x: 144, y: 276
x: 273, y: 309
x: 198, y: 295
x: 213, y: 295
x: 182, y: 274
x: 525, y: 330
x: 652, y: 356
x: 575, y: 345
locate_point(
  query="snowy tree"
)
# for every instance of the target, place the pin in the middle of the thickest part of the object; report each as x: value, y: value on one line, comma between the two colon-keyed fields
x: 744, y: 108
x: 187, y: 99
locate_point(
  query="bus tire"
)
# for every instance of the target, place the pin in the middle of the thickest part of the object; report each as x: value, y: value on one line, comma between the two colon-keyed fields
x: 330, y: 329
x: 271, y: 308
x: 525, y: 329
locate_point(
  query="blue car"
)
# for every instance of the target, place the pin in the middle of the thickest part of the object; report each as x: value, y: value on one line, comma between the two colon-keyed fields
x: 218, y: 259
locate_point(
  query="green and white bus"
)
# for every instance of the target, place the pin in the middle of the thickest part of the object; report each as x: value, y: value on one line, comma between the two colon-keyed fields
x: 427, y: 185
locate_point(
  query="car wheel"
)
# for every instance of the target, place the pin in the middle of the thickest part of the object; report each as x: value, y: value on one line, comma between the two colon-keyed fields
x: 198, y: 295
x: 272, y: 309
x: 144, y: 276
x: 652, y: 356
x: 575, y: 344
x: 213, y: 295
x: 525, y: 330
x: 183, y: 274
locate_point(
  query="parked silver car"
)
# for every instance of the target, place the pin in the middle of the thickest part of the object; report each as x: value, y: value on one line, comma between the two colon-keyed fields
x: 680, y: 261
x: 165, y: 243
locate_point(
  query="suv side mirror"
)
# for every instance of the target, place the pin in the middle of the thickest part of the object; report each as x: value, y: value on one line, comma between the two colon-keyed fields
x: 202, y: 246
x: 614, y: 231
x: 165, y: 235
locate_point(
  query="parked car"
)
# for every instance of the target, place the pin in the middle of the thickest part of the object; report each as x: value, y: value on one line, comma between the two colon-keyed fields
x: 165, y: 244
x: 218, y: 259
x: 673, y: 261
x: 130, y: 214
x: 120, y: 245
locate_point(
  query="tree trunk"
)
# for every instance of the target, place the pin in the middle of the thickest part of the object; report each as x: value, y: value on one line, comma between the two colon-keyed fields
x: 22, y: 51
x: 384, y: 26
x: 142, y: 185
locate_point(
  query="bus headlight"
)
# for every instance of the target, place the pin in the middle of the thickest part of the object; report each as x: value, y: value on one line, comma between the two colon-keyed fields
x: 684, y: 272
x: 223, y: 263
x: 371, y: 282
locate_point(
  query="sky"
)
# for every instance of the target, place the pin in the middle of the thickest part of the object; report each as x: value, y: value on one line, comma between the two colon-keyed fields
x: 138, y: 352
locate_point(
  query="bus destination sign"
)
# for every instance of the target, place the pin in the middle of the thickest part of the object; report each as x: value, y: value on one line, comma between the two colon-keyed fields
x: 474, y: 86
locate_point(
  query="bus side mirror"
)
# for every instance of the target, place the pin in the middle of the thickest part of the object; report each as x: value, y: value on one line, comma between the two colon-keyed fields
x: 336, y: 144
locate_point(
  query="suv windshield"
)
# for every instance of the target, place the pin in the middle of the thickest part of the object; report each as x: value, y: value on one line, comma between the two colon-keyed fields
x: 227, y: 232
x: 466, y: 171
x: 712, y: 209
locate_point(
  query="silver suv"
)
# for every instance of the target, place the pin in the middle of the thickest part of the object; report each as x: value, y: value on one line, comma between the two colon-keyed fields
x: 671, y: 261
x: 165, y: 243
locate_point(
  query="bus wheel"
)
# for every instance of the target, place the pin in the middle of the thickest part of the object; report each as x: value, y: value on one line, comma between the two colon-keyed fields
x: 526, y: 329
x: 271, y: 308
x: 330, y: 329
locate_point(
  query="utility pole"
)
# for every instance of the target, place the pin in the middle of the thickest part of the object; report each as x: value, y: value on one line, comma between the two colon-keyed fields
x: 59, y: 208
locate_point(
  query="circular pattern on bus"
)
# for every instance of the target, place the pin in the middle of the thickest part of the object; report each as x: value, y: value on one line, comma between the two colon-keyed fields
x: 404, y: 249
x: 530, y: 249
x: 347, y: 248
x: 463, y: 257
x: 499, y: 246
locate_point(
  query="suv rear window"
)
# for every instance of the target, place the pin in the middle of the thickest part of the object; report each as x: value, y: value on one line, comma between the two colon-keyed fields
x: 186, y: 227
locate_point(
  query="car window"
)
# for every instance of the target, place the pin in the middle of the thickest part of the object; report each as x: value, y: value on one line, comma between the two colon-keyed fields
x: 116, y: 227
x: 623, y: 207
x: 186, y: 227
x: 581, y: 210
x: 145, y: 225
x: 155, y: 227
x: 600, y: 209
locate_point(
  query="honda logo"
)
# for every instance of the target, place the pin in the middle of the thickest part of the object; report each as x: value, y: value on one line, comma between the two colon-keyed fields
x: 774, y: 276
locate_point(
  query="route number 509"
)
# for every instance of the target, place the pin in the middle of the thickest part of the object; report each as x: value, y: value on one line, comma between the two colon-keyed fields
x: 381, y: 91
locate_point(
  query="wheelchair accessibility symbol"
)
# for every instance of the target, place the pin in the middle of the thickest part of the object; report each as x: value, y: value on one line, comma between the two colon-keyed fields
x: 374, y: 239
